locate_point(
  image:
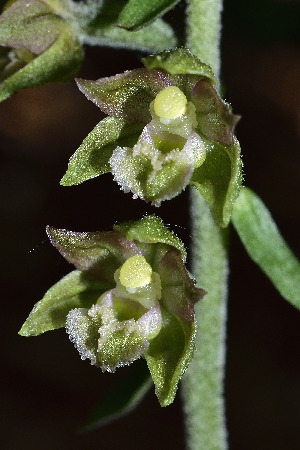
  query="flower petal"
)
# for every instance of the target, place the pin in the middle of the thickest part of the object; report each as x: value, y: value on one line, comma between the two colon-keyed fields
x: 215, y: 119
x: 179, y: 293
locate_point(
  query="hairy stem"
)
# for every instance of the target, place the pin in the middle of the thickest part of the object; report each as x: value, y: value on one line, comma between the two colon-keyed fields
x: 203, y: 26
x: 203, y: 382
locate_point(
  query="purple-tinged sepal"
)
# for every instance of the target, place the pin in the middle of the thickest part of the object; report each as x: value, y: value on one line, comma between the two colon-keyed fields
x: 127, y: 94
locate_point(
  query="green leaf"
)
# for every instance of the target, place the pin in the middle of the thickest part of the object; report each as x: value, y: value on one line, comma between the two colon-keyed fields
x: 75, y: 290
x: 169, y: 355
x: 123, y: 399
x: 104, y: 31
x: 265, y: 245
x: 219, y: 179
x: 179, y: 62
x: 92, y: 157
x: 154, y: 38
x: 137, y: 14
x: 151, y: 230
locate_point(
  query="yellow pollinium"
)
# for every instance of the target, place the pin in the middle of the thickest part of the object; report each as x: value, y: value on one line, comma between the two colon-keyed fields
x: 135, y: 272
x: 170, y: 103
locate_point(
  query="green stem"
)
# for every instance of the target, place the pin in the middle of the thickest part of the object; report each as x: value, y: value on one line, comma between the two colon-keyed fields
x: 203, y: 382
x: 203, y: 28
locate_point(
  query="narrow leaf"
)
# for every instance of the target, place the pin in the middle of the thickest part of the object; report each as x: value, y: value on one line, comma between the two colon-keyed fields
x: 154, y: 38
x: 123, y: 399
x: 92, y: 157
x: 75, y: 290
x: 137, y: 14
x: 266, y: 246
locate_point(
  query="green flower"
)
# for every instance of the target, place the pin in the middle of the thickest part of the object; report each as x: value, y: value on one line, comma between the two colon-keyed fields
x: 130, y: 297
x: 36, y: 46
x: 167, y: 128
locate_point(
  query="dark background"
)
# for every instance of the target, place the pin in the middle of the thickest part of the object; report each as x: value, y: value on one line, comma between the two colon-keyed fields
x: 48, y: 392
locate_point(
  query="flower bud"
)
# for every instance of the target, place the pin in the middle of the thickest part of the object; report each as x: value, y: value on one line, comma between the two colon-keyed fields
x: 37, y: 46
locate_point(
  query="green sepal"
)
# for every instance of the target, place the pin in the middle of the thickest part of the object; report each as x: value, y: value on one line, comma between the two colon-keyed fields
x: 179, y: 62
x: 122, y: 399
x: 60, y: 62
x: 137, y: 14
x: 75, y: 290
x: 99, y: 253
x: 169, y: 355
x: 219, y: 179
x: 103, y: 30
x: 264, y: 244
x: 92, y: 157
x: 126, y: 95
x: 151, y: 230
